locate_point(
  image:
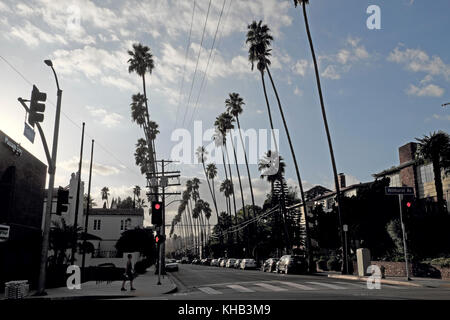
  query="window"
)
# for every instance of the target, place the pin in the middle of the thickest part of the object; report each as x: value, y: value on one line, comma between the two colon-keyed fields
x: 425, y: 173
x: 97, y: 224
x: 395, y: 180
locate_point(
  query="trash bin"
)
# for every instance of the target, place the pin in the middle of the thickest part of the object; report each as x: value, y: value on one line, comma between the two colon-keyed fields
x: 363, y: 260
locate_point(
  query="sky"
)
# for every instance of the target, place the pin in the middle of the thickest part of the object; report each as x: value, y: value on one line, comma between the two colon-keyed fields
x: 382, y: 87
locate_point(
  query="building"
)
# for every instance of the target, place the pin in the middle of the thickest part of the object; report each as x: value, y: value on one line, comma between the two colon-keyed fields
x: 412, y: 172
x: 108, y: 225
x: 22, y: 183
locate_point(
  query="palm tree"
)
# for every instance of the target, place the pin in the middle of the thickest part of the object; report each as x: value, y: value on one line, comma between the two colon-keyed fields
x: 227, y: 189
x: 211, y: 170
x: 141, y: 155
x: 105, y: 194
x: 325, y: 122
x: 278, y: 177
x: 141, y: 62
x: 136, y: 194
x: 436, y: 149
x: 223, y: 124
x: 138, y: 110
x: 262, y: 42
x: 201, y: 155
x: 258, y: 39
x: 207, y: 213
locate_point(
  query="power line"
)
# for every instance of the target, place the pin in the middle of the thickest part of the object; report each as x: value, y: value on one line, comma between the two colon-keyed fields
x: 184, y: 67
x: 196, y: 65
x: 214, y: 57
x: 207, y: 64
x: 70, y: 119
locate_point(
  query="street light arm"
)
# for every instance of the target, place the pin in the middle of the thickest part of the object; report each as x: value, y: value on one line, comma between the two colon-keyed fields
x: 56, y: 78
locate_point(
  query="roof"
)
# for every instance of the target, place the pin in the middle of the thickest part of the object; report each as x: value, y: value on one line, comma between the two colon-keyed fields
x: 116, y: 212
x: 395, y: 169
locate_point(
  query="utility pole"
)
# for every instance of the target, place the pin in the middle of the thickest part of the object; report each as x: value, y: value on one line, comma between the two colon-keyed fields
x: 87, y: 209
x: 161, y: 179
x: 77, y: 204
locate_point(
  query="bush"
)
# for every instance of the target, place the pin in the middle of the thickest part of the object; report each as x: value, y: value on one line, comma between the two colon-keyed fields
x: 441, y: 262
x: 333, y: 264
x: 322, y: 264
x: 141, y: 266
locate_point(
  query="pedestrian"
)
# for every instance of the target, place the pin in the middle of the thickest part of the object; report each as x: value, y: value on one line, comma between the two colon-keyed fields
x: 128, y: 275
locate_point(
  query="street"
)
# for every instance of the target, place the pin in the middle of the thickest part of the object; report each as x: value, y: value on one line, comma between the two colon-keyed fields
x: 196, y: 282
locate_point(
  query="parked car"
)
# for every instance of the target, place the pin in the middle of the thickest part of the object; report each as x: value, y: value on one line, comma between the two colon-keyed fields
x: 237, y: 263
x: 223, y: 263
x: 207, y: 262
x: 248, y: 264
x: 179, y: 261
x: 213, y: 263
x: 185, y: 260
x: 171, y: 265
x: 270, y: 265
x: 195, y: 261
x: 230, y: 263
x: 292, y: 264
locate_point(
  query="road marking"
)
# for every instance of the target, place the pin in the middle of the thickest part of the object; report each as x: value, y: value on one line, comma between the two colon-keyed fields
x: 328, y: 285
x: 296, y: 285
x: 270, y: 287
x: 361, y: 286
x: 209, y: 290
x: 240, y: 288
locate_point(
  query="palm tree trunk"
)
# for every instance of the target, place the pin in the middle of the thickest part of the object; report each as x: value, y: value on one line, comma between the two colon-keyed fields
x: 330, y: 146
x: 268, y: 110
x: 297, y: 171
x: 209, y: 186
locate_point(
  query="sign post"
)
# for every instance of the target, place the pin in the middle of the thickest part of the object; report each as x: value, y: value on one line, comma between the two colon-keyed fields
x: 400, y: 191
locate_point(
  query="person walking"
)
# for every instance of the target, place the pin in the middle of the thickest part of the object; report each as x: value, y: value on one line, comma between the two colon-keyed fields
x: 129, y: 274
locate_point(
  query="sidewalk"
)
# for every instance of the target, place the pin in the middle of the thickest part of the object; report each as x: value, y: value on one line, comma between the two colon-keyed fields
x: 145, y: 284
x: 415, y: 282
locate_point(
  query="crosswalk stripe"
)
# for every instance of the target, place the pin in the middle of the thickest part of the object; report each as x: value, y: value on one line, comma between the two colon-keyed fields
x: 270, y: 287
x: 328, y: 285
x: 209, y: 290
x: 296, y: 285
x: 362, y: 286
x: 240, y: 288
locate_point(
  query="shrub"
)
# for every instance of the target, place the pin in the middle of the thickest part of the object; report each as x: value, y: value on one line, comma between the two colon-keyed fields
x: 441, y: 262
x: 141, y: 266
x: 322, y: 264
x: 333, y: 264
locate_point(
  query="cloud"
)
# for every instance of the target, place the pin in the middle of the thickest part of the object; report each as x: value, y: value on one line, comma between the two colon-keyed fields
x: 301, y: 67
x: 430, y: 90
x: 72, y: 164
x: 341, y: 62
x: 417, y: 60
x: 33, y: 36
x: 445, y: 117
x: 109, y: 119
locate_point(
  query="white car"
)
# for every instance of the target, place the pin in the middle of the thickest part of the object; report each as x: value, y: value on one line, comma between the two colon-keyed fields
x: 248, y: 264
x: 230, y: 263
x: 171, y: 265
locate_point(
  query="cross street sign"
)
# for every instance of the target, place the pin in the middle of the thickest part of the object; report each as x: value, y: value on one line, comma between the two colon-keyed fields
x: 399, y: 190
x: 29, y: 133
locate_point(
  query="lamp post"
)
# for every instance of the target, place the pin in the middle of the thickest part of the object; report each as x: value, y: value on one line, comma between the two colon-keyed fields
x: 51, y: 183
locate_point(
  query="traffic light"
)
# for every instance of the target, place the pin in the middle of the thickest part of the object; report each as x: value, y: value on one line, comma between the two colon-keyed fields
x: 159, y: 238
x: 36, y: 107
x: 408, y: 203
x: 62, y: 202
x: 157, y: 209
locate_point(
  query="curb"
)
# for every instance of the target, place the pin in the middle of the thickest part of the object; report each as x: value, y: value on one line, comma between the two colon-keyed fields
x: 385, y: 281
x: 175, y: 287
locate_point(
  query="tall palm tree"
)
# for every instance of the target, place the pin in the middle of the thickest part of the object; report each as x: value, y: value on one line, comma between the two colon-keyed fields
x: 141, y: 62
x: 202, y: 157
x: 211, y: 170
x: 258, y: 39
x: 207, y: 213
x: 262, y: 42
x: 325, y: 122
x: 234, y: 106
x: 436, y: 149
x: 138, y: 110
x: 136, y: 194
x: 105, y: 194
x: 141, y: 155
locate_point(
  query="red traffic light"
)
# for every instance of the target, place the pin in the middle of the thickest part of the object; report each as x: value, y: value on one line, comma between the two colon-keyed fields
x: 157, y: 239
x: 408, y: 204
x: 157, y: 206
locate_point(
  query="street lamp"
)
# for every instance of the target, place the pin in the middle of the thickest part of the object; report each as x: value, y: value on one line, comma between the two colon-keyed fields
x: 51, y: 183
x: 446, y: 104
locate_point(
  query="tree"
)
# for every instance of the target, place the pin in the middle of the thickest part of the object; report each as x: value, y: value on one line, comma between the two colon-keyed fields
x: 127, y: 203
x: 138, y: 240
x: 436, y: 149
x: 325, y: 122
x: 91, y: 202
x: 61, y: 239
x: 105, y: 194
x: 201, y: 155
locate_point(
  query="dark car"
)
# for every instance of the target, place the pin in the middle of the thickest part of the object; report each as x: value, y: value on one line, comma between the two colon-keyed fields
x: 207, y: 261
x: 292, y: 264
x: 270, y: 265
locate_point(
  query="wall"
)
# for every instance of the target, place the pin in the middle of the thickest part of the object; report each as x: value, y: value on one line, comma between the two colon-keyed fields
x: 118, y: 262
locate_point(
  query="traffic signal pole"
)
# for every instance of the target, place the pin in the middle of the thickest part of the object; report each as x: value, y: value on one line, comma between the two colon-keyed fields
x: 51, y: 183
x: 405, y: 251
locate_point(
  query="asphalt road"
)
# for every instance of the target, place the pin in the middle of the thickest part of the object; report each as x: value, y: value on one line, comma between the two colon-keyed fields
x: 204, y: 283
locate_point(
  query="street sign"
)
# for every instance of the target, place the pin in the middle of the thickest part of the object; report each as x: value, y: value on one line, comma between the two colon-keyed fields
x: 29, y: 132
x: 399, y: 190
x: 4, y: 232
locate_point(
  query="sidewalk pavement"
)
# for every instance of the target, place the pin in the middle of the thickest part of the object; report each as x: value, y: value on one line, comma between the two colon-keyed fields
x: 145, y: 285
x: 414, y: 282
